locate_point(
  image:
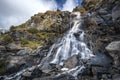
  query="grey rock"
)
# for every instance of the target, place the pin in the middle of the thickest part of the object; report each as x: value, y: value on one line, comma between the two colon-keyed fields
x: 72, y: 62
x: 36, y: 52
x: 116, y: 13
x: 99, y: 20
x: 11, y: 67
x: 103, y: 11
x: 24, y: 52
x: 99, y: 59
x: 27, y: 74
x: 13, y: 46
x: 2, y: 48
x: 14, y: 63
x: 116, y: 77
x: 113, y: 46
x: 114, y: 52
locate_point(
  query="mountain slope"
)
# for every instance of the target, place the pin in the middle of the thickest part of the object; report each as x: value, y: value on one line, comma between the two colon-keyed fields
x: 40, y: 30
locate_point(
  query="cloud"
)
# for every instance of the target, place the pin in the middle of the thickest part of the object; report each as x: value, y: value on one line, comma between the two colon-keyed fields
x: 69, y: 5
x: 15, y: 12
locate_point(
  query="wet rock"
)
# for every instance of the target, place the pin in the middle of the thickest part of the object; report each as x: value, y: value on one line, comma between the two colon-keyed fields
x: 71, y: 62
x: 27, y: 74
x: 116, y: 77
x: 46, y: 68
x: 45, y: 78
x: 99, y: 65
x: 64, y: 77
x: 37, y: 72
x: 99, y: 59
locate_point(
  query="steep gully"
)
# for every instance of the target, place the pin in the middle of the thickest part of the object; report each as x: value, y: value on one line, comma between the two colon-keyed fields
x: 71, y: 44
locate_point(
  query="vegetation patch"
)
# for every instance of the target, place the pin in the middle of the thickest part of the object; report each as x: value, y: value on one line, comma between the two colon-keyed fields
x: 2, y: 66
x: 6, y: 38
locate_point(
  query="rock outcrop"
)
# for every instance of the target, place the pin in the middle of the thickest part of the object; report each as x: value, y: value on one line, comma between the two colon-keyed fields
x: 102, y: 25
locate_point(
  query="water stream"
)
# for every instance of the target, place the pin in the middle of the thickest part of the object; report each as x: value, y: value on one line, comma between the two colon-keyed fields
x: 71, y: 44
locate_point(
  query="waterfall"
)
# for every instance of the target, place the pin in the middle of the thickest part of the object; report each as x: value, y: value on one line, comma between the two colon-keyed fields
x: 71, y: 44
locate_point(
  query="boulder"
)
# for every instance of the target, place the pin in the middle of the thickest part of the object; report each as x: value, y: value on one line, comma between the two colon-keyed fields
x: 2, y: 48
x: 116, y: 77
x: 13, y: 46
x: 72, y: 62
x: 27, y: 74
x: 24, y: 52
x: 114, y: 52
x: 15, y: 63
x: 116, y: 13
x: 113, y: 46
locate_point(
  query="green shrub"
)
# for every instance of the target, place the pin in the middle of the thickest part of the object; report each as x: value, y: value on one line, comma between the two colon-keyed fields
x: 24, y: 41
x: 6, y: 38
x: 12, y: 28
x: 33, y: 30
x: 20, y: 27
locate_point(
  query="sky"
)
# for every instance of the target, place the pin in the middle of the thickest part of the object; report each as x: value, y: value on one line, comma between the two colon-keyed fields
x: 16, y: 12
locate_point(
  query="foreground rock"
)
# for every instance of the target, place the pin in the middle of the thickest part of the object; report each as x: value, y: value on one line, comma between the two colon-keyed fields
x: 114, y: 46
x: 114, y: 52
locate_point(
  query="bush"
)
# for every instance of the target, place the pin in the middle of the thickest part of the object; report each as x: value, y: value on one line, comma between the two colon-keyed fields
x: 33, y: 30
x: 20, y: 27
x: 12, y: 28
x: 6, y: 38
x: 31, y: 44
x: 24, y: 41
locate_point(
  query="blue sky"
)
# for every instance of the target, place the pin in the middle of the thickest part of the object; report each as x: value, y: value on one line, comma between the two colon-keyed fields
x: 62, y: 2
x: 15, y: 12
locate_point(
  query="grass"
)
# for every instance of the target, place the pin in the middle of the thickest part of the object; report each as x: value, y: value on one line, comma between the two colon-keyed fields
x: 31, y: 44
x: 6, y: 38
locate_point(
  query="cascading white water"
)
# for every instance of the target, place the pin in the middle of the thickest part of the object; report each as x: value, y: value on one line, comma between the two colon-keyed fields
x: 72, y: 44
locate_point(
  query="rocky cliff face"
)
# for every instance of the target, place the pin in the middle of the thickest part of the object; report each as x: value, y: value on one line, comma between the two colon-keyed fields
x: 25, y: 42
x: 26, y: 45
x: 103, y: 26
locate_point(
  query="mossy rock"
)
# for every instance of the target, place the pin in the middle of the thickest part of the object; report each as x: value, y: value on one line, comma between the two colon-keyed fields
x: 32, y: 30
x: 20, y: 27
x: 6, y: 38
x: 2, y: 67
x: 31, y: 44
